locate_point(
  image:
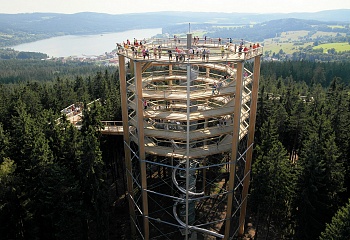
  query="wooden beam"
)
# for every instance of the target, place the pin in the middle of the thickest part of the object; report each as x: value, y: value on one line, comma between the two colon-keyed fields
x: 127, y: 153
x: 141, y: 145
x: 251, y: 131
x: 235, y: 141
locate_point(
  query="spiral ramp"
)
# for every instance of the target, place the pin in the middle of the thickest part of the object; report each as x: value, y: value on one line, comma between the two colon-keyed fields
x: 187, y: 132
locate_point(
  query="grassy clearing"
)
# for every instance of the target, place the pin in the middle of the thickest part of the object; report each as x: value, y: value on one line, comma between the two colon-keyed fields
x: 230, y: 26
x: 339, y: 47
x: 290, y: 42
x: 286, y: 42
x: 288, y: 48
x: 5, y: 36
x: 325, y: 34
x: 293, y: 35
x: 335, y: 26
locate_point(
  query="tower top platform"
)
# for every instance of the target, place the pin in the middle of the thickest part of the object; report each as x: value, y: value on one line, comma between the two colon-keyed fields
x: 189, y: 49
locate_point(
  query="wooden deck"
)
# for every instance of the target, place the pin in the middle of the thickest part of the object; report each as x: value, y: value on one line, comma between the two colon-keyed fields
x: 215, y: 55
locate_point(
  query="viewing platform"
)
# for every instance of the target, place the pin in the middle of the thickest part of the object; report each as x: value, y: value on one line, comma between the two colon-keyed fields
x: 74, y: 114
x: 192, y: 105
x: 175, y: 50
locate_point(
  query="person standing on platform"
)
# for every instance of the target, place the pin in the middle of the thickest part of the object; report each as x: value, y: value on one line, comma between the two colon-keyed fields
x: 155, y: 52
x: 207, y: 52
x: 143, y: 53
x: 222, y: 49
x: 159, y: 51
x: 245, y: 50
x: 240, y: 48
x: 170, y: 55
x: 213, y: 89
x: 219, y: 86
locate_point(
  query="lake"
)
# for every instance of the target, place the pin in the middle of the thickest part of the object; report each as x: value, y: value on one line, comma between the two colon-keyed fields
x: 85, y: 45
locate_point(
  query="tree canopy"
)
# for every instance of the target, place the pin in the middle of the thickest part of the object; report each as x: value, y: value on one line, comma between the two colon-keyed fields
x: 56, y: 180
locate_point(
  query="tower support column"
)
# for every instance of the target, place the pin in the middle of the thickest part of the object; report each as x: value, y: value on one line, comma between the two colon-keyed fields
x: 251, y: 131
x: 126, y: 135
x: 141, y: 144
x: 235, y: 141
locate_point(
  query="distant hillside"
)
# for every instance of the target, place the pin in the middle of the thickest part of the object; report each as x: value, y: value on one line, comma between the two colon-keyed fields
x: 260, y: 31
x: 82, y: 23
x: 19, y: 28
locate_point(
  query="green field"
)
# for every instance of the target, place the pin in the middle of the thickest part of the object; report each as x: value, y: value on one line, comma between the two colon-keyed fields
x: 339, y: 47
x: 291, y: 41
x: 288, y: 48
x: 326, y: 34
x: 336, y: 26
x: 293, y: 35
x: 286, y: 41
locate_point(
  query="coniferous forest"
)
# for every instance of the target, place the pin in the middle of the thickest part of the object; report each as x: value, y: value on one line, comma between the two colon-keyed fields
x: 58, y: 182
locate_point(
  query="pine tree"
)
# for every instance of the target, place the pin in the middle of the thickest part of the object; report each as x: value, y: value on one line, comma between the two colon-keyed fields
x: 11, y: 213
x: 93, y: 175
x: 4, y: 103
x: 33, y: 157
x: 64, y: 141
x: 61, y: 189
x: 81, y: 90
x: 339, y: 228
x: 321, y: 181
x: 263, y: 111
x: 337, y: 110
x: 296, y: 129
x: 273, y: 185
x: 4, y: 143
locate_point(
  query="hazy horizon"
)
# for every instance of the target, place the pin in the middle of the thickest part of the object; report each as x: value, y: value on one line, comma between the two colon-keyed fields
x: 142, y: 6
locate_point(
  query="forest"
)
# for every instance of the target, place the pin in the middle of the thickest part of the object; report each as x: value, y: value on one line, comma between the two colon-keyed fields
x: 58, y: 182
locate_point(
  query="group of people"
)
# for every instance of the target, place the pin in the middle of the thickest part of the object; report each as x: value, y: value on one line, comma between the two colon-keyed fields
x: 195, y: 40
x: 157, y: 52
x: 200, y: 52
x: 180, y: 54
x: 247, y: 51
x: 217, y: 87
x: 140, y: 49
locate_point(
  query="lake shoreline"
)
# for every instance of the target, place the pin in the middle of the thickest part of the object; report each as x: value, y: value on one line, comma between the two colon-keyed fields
x: 84, y: 45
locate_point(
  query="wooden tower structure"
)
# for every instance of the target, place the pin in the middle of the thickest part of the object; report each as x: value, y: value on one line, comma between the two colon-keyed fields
x: 190, y: 107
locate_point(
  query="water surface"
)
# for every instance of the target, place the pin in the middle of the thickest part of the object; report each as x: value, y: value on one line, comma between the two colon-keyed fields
x: 85, y: 45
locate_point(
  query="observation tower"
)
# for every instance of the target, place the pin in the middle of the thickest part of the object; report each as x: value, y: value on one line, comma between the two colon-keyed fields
x: 190, y: 107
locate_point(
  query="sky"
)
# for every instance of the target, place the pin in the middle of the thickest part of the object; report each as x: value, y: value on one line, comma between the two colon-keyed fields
x: 136, y: 6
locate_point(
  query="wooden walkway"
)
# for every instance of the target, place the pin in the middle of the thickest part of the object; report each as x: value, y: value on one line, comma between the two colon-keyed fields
x: 171, y: 119
x: 110, y: 127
